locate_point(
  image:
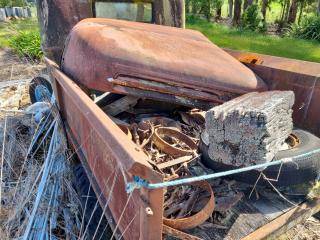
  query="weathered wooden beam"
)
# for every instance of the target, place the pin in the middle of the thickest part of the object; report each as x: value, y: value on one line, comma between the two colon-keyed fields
x: 250, y: 129
x: 286, y: 221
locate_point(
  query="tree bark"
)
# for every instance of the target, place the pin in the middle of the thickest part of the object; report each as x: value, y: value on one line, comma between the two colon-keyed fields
x: 318, y: 9
x: 218, y: 13
x: 302, y: 4
x: 293, y: 12
x: 283, y: 8
x: 264, y: 9
x: 236, y: 12
x: 231, y: 8
x: 246, y: 4
x: 287, y: 8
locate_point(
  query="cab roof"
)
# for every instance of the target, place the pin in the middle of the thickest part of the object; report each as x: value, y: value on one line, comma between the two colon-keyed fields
x: 100, y: 49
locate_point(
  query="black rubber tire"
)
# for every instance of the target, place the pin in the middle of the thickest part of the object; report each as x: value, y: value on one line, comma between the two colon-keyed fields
x: 292, y: 173
x: 41, y: 79
x: 84, y: 189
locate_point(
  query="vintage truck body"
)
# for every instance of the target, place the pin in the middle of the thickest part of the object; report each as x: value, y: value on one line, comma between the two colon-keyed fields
x: 90, y: 61
x: 177, y: 66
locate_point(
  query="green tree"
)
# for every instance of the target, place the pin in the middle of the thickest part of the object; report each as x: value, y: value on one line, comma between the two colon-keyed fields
x: 12, y: 3
x: 5, y: 3
x: 250, y: 19
x: 293, y: 11
x: 237, y: 12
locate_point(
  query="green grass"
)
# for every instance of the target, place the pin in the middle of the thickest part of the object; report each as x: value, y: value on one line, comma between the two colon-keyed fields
x: 12, y: 28
x: 235, y: 39
x: 22, y: 36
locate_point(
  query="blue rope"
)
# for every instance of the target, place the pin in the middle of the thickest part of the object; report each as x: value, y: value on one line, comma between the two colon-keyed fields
x: 141, y: 183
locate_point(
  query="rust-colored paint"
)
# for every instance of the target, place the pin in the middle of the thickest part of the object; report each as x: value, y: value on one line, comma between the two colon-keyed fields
x: 110, y: 49
x: 109, y: 153
x: 57, y: 18
x: 299, y: 76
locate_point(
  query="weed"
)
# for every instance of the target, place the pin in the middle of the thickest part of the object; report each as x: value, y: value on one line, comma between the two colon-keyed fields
x: 27, y: 43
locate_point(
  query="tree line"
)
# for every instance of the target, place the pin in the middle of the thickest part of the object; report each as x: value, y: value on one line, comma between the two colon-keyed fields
x: 291, y: 10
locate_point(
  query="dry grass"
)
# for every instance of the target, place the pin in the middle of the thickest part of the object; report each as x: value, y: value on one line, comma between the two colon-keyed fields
x: 37, y: 197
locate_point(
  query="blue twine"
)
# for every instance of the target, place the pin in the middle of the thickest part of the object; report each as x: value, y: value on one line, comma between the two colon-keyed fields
x: 142, y: 183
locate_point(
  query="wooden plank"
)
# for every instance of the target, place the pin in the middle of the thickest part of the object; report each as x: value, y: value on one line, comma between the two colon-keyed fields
x: 272, y: 205
x: 120, y: 105
x: 248, y: 219
x: 269, y: 210
x: 286, y: 220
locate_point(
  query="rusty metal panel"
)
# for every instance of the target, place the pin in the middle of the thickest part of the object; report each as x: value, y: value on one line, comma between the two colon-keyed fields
x: 111, y: 155
x: 302, y: 77
x: 101, y: 49
x: 57, y: 18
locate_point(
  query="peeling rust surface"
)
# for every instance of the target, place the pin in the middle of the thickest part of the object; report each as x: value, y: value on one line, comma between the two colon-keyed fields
x: 110, y: 49
x: 110, y: 154
x: 302, y: 77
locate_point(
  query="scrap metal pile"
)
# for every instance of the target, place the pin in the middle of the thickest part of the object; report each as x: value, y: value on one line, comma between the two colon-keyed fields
x: 170, y: 136
x: 244, y: 131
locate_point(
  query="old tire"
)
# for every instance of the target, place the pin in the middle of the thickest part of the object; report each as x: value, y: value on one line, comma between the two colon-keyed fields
x: 88, y: 201
x: 300, y: 170
x: 40, y: 89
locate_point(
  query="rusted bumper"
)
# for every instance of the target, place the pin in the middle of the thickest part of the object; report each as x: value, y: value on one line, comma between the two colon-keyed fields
x: 299, y: 76
x: 110, y: 156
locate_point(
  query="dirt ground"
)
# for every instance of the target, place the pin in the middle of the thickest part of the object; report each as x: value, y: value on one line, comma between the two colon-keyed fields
x: 13, y: 68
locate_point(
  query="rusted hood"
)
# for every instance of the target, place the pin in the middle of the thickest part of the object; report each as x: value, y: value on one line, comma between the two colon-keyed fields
x: 100, y: 49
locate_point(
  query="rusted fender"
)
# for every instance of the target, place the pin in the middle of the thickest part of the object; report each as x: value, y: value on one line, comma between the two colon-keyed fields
x: 108, y: 154
x: 99, y: 51
x: 302, y: 77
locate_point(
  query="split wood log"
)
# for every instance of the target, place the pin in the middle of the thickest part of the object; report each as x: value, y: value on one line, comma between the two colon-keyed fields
x: 250, y: 129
